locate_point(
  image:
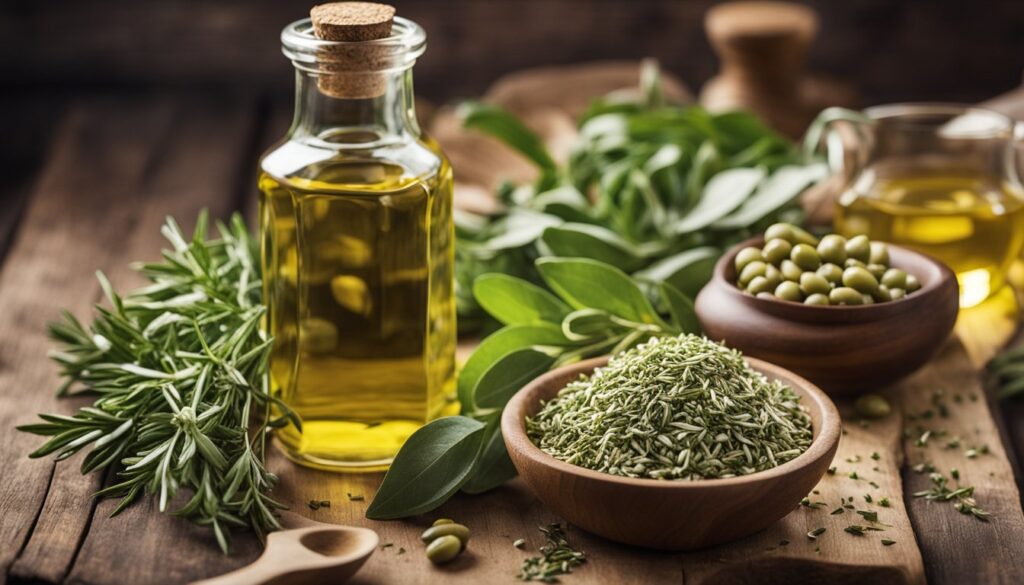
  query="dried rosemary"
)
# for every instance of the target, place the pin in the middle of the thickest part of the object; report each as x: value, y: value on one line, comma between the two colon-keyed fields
x: 556, y: 557
x: 674, y: 408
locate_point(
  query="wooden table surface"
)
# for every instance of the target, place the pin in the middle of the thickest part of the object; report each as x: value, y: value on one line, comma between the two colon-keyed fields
x: 91, y: 181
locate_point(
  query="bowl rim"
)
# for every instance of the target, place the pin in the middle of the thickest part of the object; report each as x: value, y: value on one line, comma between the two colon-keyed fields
x: 825, y: 439
x: 942, y: 274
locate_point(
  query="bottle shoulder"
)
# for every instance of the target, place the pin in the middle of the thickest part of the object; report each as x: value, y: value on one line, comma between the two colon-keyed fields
x: 418, y: 158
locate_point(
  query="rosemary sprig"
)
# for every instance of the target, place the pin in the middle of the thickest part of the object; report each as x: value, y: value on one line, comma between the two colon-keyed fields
x: 178, y: 370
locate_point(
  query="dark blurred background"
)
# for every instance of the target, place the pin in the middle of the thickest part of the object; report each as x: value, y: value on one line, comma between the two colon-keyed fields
x: 889, y: 50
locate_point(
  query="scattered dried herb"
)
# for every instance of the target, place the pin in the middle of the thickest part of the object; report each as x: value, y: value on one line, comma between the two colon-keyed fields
x: 962, y: 497
x: 556, y: 558
x: 814, y: 534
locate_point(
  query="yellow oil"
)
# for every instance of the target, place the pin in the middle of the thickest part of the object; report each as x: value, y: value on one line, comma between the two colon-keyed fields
x: 357, y: 263
x: 974, y: 223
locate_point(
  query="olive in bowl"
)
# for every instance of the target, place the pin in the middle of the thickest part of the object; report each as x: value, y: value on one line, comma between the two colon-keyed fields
x: 845, y: 348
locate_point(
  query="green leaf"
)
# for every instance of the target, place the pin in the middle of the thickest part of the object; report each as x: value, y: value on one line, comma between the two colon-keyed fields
x: 588, y: 284
x: 431, y: 466
x: 520, y: 228
x: 586, y: 324
x: 514, y: 301
x: 508, y: 374
x: 502, y: 125
x: 688, y: 271
x: 684, y: 316
x: 723, y: 194
x: 502, y: 342
x: 493, y: 467
x: 590, y: 241
x: 785, y: 185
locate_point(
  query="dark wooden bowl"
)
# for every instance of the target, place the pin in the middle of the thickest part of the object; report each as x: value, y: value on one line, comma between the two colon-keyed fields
x: 668, y: 514
x: 845, y: 350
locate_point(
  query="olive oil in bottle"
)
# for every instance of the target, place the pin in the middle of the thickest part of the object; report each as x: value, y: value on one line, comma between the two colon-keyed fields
x: 358, y: 250
x: 972, y: 222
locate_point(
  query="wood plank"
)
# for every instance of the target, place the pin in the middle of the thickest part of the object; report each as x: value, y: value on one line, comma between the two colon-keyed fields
x: 200, y: 161
x: 958, y: 548
x: 71, y: 228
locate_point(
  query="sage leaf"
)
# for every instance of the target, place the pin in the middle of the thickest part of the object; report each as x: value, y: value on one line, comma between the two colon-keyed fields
x: 684, y: 315
x: 687, y: 271
x: 520, y: 228
x: 586, y: 324
x: 502, y: 342
x: 515, y: 301
x: 780, y: 188
x: 431, y: 466
x: 585, y: 283
x: 591, y: 241
x: 494, y: 467
x: 723, y: 194
x: 507, y: 375
x: 507, y: 128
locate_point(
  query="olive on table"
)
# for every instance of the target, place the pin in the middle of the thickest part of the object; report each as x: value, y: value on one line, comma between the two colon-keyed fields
x: 443, y: 549
x: 457, y: 530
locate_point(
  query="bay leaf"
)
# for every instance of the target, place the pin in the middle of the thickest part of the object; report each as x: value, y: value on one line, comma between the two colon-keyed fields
x: 515, y: 301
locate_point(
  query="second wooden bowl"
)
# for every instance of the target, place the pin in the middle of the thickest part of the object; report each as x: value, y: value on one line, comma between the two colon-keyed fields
x: 663, y: 514
x: 844, y: 350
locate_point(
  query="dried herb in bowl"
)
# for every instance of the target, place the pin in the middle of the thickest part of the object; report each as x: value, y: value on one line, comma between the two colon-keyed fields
x: 674, y: 408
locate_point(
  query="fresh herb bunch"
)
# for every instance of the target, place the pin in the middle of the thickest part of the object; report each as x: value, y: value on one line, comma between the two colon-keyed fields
x: 179, y: 371
x: 655, y: 190
x: 595, y: 309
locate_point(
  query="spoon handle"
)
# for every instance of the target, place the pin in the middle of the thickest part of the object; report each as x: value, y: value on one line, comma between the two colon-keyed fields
x: 256, y: 573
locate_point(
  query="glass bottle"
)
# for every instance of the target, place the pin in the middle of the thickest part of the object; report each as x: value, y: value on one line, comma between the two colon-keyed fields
x: 941, y: 179
x: 357, y: 250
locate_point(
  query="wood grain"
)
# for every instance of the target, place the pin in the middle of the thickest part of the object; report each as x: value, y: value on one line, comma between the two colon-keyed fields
x: 959, y: 548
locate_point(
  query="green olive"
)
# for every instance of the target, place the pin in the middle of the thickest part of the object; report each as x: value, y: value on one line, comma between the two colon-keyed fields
x: 882, y: 294
x: 872, y: 406
x: 790, y: 271
x: 877, y: 270
x: 896, y: 294
x: 791, y: 233
x: 441, y: 521
x: 830, y: 272
x: 817, y: 299
x: 746, y: 256
x: 894, y: 278
x: 780, y: 231
x: 755, y: 268
x: 879, y: 253
x: 812, y: 283
x: 832, y: 248
x: 859, y: 248
x: 457, y: 530
x: 912, y: 283
x: 444, y: 549
x: 860, y: 279
x: 789, y: 291
x: 774, y: 275
x: 759, y: 284
x: 851, y: 262
x: 868, y: 299
x: 775, y: 251
x: 805, y: 256
x: 765, y: 295
x: 842, y: 295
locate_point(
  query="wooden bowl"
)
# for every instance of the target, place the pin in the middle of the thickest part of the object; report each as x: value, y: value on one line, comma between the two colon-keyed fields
x: 668, y: 514
x: 845, y: 350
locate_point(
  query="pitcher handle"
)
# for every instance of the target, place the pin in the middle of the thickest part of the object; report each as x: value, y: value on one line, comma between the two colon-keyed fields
x: 835, y: 152
x: 1016, y: 139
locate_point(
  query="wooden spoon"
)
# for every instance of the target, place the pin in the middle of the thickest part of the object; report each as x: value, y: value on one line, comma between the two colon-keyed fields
x: 316, y: 553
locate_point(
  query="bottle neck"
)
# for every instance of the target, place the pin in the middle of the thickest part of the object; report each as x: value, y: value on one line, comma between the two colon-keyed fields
x: 388, y: 118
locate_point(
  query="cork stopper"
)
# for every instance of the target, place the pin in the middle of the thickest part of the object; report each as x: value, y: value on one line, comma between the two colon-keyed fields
x: 352, y: 71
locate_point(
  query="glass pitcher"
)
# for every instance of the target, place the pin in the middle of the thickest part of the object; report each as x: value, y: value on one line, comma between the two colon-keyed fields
x: 938, y: 178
